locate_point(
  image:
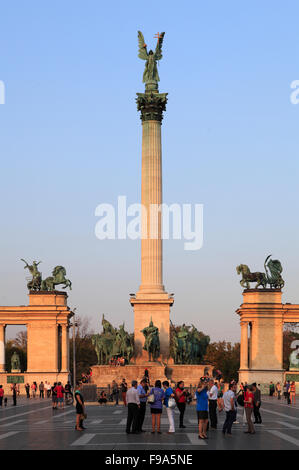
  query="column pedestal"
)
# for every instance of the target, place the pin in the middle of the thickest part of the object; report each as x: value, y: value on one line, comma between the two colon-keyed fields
x: 156, y: 309
x: 263, y: 361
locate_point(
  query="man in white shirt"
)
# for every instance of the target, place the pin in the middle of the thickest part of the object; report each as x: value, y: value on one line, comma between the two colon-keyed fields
x: 48, y: 388
x: 213, y: 395
x: 229, y: 400
x: 133, y: 403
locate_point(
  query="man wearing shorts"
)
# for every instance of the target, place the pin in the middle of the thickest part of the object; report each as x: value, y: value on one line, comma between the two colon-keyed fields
x: 54, y: 396
x: 202, y: 407
x: 59, y: 392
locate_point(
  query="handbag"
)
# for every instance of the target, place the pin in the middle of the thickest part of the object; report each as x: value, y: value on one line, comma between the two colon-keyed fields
x: 171, y: 403
x: 151, y: 398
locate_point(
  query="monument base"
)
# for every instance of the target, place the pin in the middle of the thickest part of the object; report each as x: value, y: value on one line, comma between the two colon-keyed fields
x: 155, y: 307
x: 262, y: 377
x: 7, y: 379
x: 103, y: 376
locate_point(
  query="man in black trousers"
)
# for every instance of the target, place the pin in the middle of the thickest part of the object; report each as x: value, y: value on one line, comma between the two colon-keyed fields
x: 213, y: 395
x: 256, y: 404
x: 143, y: 398
x: 133, y: 403
x: 14, y: 394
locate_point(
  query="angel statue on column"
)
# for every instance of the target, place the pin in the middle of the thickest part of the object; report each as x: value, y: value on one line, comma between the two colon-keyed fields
x: 150, y: 74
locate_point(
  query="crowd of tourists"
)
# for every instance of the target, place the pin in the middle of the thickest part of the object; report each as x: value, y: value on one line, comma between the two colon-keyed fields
x: 58, y: 393
x: 209, y: 396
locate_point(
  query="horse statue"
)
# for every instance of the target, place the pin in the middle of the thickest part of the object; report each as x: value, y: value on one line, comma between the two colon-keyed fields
x: 113, y: 342
x: 98, y: 346
x: 247, y: 277
x: 198, y: 344
x: 57, y: 278
x: 124, y: 343
x: 107, y: 327
x: 187, y: 346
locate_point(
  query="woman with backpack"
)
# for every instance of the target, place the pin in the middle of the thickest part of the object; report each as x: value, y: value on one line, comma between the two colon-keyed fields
x: 155, y: 400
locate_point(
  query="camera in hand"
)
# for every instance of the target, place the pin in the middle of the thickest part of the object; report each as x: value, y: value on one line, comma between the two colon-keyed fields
x: 204, y: 380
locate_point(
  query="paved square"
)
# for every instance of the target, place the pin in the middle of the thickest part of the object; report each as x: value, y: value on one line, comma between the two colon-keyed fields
x: 34, y: 425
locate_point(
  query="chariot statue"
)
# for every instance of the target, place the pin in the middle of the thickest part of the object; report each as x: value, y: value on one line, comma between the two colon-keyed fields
x: 271, y: 276
x: 35, y: 283
x: 48, y: 284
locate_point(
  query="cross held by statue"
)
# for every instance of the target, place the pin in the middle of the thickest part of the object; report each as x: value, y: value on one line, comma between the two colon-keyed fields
x: 157, y: 36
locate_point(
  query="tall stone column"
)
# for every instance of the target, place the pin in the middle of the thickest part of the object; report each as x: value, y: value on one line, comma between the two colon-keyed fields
x: 151, y: 104
x: 151, y: 301
x: 64, y: 348
x: 2, y: 347
x: 244, y: 346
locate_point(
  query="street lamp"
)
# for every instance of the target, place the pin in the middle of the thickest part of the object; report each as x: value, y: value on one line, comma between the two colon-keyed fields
x: 74, y: 324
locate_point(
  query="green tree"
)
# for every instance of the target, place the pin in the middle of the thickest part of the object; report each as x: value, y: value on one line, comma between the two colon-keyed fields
x: 224, y: 356
x: 85, y: 352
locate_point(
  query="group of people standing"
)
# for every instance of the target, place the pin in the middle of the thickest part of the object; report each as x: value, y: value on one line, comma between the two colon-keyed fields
x: 159, y: 396
x: 43, y: 389
x: 210, y: 400
x: 57, y: 392
x: 289, y: 391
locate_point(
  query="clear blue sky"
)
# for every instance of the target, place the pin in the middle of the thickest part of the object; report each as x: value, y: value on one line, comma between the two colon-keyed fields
x: 70, y: 139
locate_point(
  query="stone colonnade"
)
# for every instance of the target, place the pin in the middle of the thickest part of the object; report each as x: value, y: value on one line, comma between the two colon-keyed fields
x: 47, y: 320
x: 262, y: 317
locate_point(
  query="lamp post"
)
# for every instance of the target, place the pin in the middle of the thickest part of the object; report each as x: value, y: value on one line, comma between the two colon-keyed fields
x: 74, y: 324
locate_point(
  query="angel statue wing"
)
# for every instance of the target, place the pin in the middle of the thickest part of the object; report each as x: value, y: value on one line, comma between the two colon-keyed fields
x: 142, y: 53
x: 158, y: 51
